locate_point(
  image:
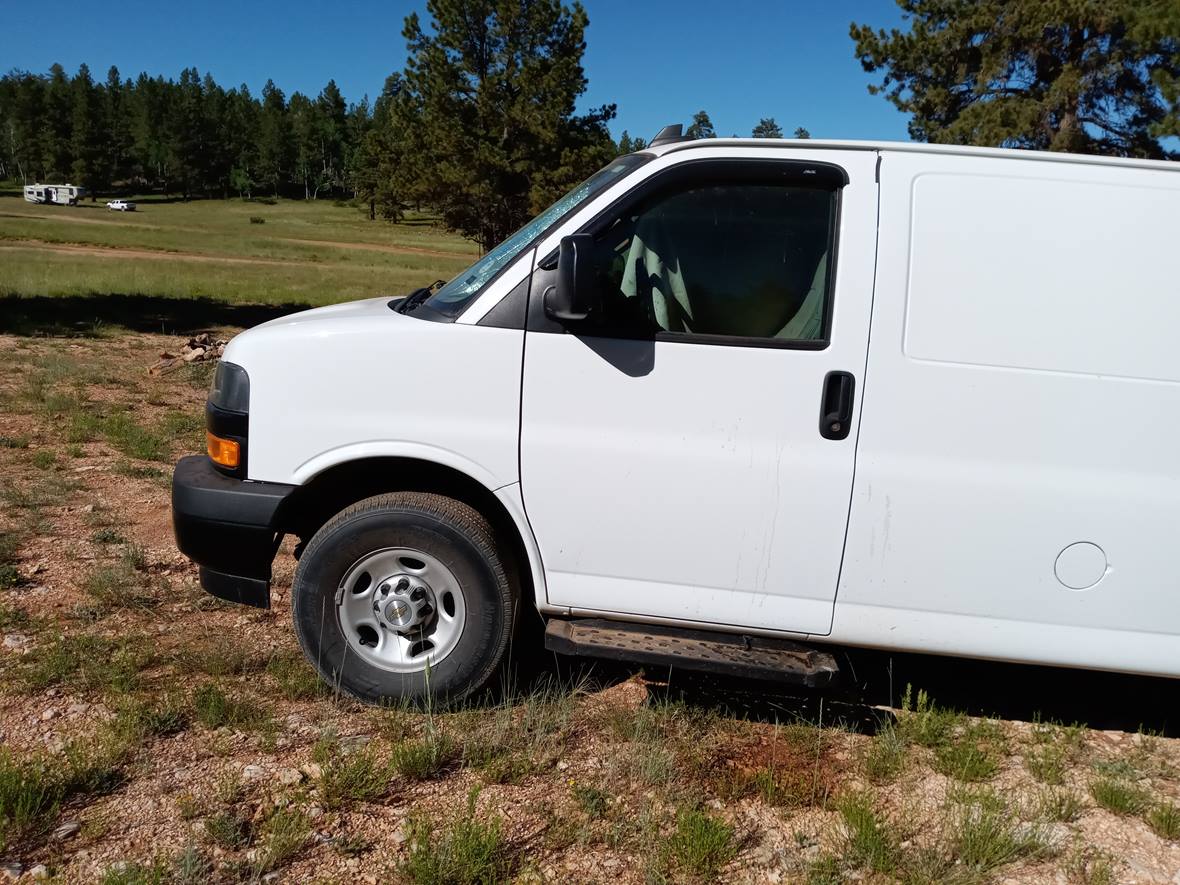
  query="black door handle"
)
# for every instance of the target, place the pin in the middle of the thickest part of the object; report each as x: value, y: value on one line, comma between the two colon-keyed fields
x: 835, y: 408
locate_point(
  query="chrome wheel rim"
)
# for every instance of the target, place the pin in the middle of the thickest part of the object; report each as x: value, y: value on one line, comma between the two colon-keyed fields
x: 400, y: 609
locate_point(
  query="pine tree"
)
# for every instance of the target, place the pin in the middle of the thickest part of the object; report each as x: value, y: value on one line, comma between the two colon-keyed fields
x: 800, y: 132
x: 486, y: 130
x: 275, y: 150
x: 628, y: 145
x: 701, y: 126
x: 767, y: 128
x: 87, y: 134
x: 1059, y: 75
x: 54, y: 130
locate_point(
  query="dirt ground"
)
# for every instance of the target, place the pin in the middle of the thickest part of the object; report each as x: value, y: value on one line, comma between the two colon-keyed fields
x: 199, y: 747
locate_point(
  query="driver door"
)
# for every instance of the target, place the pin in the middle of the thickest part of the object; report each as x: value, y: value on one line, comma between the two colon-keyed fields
x: 674, y: 464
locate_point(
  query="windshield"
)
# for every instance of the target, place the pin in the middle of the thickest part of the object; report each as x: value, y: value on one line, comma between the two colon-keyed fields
x: 459, y: 292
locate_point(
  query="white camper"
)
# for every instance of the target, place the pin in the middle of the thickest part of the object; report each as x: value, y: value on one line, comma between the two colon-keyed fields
x: 59, y: 194
x: 730, y: 404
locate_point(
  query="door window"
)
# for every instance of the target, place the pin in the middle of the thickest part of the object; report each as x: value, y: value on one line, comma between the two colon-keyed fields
x: 740, y: 260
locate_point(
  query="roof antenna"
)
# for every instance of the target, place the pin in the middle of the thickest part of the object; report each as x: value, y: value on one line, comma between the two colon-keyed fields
x: 669, y: 135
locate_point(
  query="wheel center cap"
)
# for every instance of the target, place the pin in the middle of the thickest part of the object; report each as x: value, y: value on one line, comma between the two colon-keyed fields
x: 399, y: 613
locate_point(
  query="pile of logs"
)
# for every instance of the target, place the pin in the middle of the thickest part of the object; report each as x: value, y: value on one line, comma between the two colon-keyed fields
x: 197, y: 349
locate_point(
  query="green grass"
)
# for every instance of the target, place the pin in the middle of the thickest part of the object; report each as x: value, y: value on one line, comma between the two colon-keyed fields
x: 701, y: 844
x: 1059, y: 806
x: 869, y: 839
x: 83, y: 662
x: 426, y: 757
x: 984, y: 833
x: 885, y: 757
x: 925, y: 724
x: 282, y: 836
x: 1118, y: 796
x: 229, y: 829
x: 468, y: 850
x: 214, y: 708
x: 288, y: 259
x: 1164, y: 820
x: 347, y: 778
x: 294, y: 676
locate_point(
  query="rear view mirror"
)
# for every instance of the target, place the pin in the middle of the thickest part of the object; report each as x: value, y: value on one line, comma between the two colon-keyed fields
x: 573, y: 298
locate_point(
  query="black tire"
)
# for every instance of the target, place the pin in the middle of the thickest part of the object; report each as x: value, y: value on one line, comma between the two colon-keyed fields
x: 446, y: 529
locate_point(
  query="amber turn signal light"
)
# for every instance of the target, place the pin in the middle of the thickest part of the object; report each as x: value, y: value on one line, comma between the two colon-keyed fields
x: 225, y: 452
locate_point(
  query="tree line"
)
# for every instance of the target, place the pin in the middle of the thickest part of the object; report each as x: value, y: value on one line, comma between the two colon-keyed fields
x: 481, y: 125
x: 188, y: 136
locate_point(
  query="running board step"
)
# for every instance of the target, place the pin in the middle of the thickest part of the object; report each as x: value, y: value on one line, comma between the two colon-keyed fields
x: 750, y: 657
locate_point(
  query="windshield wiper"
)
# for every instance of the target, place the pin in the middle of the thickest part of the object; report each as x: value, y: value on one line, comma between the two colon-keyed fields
x: 411, y: 301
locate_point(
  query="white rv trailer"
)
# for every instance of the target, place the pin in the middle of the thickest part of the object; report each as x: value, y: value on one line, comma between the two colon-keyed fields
x: 61, y: 194
x: 725, y: 404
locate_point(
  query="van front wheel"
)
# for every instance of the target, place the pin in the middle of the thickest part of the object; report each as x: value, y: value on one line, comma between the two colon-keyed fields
x: 404, y: 597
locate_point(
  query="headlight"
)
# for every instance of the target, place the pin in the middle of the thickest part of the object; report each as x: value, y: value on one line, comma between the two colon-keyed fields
x: 231, y: 388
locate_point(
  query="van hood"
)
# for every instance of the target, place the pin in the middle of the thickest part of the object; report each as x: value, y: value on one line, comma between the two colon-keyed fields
x: 376, y: 307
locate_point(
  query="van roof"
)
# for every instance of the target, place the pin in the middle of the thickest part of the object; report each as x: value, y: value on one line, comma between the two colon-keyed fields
x: 720, y: 144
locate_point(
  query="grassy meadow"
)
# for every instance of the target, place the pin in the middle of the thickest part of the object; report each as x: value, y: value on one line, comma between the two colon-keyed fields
x: 236, y: 251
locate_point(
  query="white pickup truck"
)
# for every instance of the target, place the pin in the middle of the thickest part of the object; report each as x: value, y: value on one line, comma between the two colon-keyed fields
x: 726, y: 404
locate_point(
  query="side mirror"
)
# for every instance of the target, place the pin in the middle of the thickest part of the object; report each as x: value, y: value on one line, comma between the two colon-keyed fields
x: 574, y: 297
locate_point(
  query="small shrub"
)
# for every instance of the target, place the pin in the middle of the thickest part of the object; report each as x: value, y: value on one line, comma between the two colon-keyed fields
x: 1164, y: 819
x: 14, y: 442
x: 925, y: 724
x: 214, y: 709
x: 1118, y: 796
x: 283, y: 835
x: 107, y: 536
x: 13, y: 617
x: 466, y: 851
x: 191, y: 867
x: 230, y: 830
x: 257, y: 219
x: 43, y: 459
x: 702, y: 844
x: 593, y: 801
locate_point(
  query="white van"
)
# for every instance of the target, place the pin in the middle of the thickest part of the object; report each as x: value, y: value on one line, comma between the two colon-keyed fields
x: 726, y: 403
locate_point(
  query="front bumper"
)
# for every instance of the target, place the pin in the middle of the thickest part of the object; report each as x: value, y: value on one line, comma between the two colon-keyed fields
x: 228, y: 527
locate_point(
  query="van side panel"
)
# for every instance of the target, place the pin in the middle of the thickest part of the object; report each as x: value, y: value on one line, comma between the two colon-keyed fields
x: 1017, y: 493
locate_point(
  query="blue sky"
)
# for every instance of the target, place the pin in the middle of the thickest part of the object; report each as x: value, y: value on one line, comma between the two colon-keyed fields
x: 658, y: 60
